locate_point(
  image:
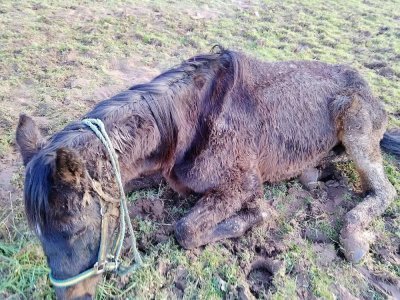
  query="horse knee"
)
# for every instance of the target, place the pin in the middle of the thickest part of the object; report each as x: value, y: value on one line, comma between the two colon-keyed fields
x: 391, y: 192
x: 185, y: 233
x: 385, y: 193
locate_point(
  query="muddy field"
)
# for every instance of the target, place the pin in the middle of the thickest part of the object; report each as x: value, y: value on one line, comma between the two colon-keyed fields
x: 57, y: 60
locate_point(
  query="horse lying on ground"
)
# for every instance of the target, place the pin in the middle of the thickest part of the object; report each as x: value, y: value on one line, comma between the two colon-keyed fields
x: 218, y: 125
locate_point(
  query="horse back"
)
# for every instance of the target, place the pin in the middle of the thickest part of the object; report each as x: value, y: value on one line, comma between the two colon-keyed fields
x: 289, y: 112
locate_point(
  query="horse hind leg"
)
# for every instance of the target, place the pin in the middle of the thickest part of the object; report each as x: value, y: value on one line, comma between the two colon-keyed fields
x: 362, y: 132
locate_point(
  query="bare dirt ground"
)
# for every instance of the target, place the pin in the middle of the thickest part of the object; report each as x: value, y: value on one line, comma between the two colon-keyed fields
x: 311, y: 216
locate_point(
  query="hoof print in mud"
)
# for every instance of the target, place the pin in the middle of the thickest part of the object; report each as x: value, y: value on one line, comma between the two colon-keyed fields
x: 260, y: 277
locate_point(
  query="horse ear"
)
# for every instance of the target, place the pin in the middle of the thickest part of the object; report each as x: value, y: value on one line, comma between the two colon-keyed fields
x: 69, y: 166
x: 28, y: 138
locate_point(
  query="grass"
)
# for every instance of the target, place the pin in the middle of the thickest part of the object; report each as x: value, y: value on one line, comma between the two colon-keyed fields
x: 201, y: 276
x: 22, y: 265
x: 57, y: 59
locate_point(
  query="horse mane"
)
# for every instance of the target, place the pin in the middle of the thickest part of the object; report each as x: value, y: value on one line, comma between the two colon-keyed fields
x: 39, y: 172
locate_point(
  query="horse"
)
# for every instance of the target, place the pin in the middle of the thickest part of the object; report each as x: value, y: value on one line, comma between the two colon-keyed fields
x: 218, y: 125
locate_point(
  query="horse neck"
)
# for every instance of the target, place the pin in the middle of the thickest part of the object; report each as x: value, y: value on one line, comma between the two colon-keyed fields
x: 155, y: 130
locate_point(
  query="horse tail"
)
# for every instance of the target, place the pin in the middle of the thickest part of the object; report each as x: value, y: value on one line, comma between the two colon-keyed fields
x: 391, y: 142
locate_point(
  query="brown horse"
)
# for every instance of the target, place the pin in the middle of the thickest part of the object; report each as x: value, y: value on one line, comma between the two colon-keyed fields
x: 218, y: 125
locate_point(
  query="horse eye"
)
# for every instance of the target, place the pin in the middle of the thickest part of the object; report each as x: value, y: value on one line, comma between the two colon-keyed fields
x: 80, y: 231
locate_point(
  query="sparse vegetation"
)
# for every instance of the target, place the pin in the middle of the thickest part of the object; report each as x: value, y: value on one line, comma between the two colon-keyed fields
x: 59, y: 58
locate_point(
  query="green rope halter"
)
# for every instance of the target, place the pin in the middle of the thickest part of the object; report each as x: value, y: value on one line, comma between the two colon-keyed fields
x: 108, y: 262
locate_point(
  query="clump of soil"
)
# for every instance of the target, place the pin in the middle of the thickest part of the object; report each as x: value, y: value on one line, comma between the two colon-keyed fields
x: 163, y: 212
x: 152, y: 209
x: 180, y: 282
x: 314, y: 215
x: 381, y: 68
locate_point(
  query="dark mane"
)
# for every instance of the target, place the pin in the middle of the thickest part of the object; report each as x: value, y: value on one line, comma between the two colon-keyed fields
x: 159, y: 95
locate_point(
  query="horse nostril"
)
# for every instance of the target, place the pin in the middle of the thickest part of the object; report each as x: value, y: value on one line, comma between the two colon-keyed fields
x: 87, y: 296
x: 77, y: 292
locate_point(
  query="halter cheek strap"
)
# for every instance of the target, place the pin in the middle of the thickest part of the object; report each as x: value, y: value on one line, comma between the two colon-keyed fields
x: 107, y: 262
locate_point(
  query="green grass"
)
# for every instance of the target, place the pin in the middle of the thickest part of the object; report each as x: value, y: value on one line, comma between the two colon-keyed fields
x: 25, y: 272
x: 23, y: 269
x: 202, y: 275
x: 57, y: 59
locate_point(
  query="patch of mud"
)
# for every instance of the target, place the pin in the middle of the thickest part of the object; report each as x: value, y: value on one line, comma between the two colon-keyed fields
x: 180, y: 282
x: 11, y: 203
x: 6, y: 176
x: 376, y: 65
x: 260, y: 278
x: 381, y: 68
x: 9, y: 184
x: 387, y: 253
x: 387, y: 72
x: 270, y: 264
x: 387, y: 285
x: 302, y: 47
x: 303, y: 210
x: 22, y: 98
x: 396, y: 115
x: 326, y: 254
x: 296, y: 199
x: 315, y: 235
x: 152, y: 209
x: 342, y: 293
x: 163, y: 212
x: 336, y: 196
x: 249, y: 6
x: 270, y: 248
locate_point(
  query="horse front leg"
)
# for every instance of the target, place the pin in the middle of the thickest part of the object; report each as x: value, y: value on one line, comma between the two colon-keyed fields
x: 218, y: 215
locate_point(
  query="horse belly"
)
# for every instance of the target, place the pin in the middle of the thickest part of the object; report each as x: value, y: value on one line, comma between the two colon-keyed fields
x: 275, y: 170
x: 295, y: 144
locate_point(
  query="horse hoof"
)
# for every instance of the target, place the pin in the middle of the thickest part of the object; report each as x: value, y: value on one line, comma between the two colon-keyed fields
x: 184, y: 234
x: 309, y: 178
x: 355, y: 245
